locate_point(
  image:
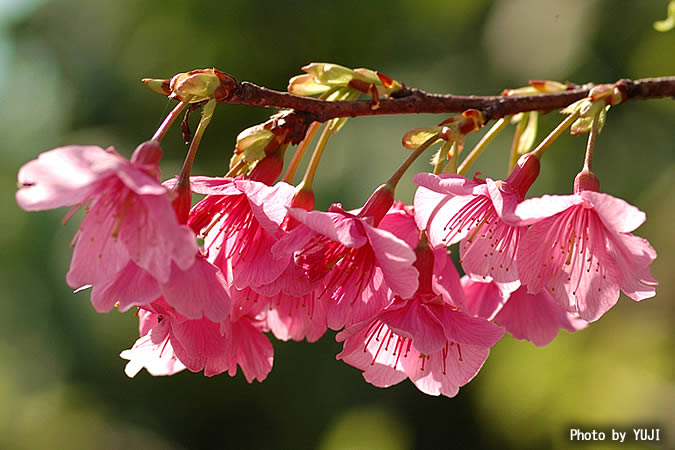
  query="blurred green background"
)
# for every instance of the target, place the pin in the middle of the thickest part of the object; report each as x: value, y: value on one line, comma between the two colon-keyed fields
x: 69, y: 74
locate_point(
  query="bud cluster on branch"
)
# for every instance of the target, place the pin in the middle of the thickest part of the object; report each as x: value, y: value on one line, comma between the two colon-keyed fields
x: 211, y: 281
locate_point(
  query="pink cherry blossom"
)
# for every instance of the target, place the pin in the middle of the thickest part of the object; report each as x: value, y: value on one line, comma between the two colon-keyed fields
x: 356, y: 262
x: 580, y: 248
x: 480, y: 214
x: 199, y: 345
x: 423, y: 338
x: 533, y: 317
x: 153, y: 350
x: 240, y: 220
x: 129, y: 217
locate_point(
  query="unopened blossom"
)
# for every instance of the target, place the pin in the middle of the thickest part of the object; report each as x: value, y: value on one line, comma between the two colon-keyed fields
x: 480, y: 214
x: 355, y: 261
x: 423, y: 338
x: 129, y: 220
x: 533, y: 317
x: 581, y: 249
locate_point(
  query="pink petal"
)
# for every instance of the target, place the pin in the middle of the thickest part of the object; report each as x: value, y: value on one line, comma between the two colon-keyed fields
x: 97, y: 258
x: 536, y: 318
x: 269, y: 204
x: 483, y: 299
x: 445, y: 279
x: 198, y: 291
x: 64, y: 176
x: 447, y: 183
x: 210, y: 185
x: 633, y: 256
x: 140, y: 182
x: 154, y: 353
x: 336, y: 226
x: 377, y: 355
x: 617, y: 214
x: 297, y: 318
x: 426, y: 203
x: 464, y: 329
x: 395, y: 258
x: 443, y: 372
x: 351, y: 303
x: 132, y: 286
x: 258, y: 266
x: 505, y: 203
x: 414, y: 320
x: 251, y: 350
x: 199, y: 345
x: 535, y: 209
x: 401, y: 224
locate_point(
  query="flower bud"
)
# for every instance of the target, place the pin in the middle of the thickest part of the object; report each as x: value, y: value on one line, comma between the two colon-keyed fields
x: 524, y: 174
x: 586, y: 181
x: 147, y: 156
x: 378, y: 204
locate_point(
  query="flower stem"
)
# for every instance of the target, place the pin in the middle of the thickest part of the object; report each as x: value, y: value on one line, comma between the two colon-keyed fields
x: 207, y: 114
x: 308, y: 179
x: 394, y: 179
x: 513, y: 155
x: 482, y: 144
x: 300, y: 152
x: 169, y: 120
x: 590, y: 145
x: 562, y: 126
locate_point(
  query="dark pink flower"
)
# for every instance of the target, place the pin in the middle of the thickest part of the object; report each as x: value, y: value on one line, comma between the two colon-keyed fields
x: 129, y: 216
x: 480, y: 214
x: 423, y: 338
x: 240, y: 221
x: 580, y: 248
x: 355, y: 261
x: 533, y: 317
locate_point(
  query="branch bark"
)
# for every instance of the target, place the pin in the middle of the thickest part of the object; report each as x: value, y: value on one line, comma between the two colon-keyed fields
x: 415, y: 101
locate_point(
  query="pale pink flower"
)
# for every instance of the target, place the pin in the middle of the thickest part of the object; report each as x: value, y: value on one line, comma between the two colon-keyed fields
x: 129, y: 216
x: 423, y: 338
x: 580, y: 248
x: 201, y: 344
x: 533, y: 317
x: 480, y: 214
x: 355, y: 261
x: 153, y: 350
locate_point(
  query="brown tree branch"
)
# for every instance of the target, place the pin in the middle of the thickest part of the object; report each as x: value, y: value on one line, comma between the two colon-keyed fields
x: 415, y: 101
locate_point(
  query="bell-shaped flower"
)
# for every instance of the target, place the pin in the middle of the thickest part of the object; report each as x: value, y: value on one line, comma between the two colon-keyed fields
x: 480, y: 215
x: 580, y: 248
x: 356, y: 261
x: 129, y: 218
x: 423, y: 338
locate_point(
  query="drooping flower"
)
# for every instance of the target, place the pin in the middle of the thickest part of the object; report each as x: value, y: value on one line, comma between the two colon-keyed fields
x: 581, y: 249
x: 533, y: 317
x: 480, y: 214
x: 356, y: 261
x: 129, y: 216
x: 424, y: 338
x: 240, y: 220
x: 153, y: 350
x: 172, y: 342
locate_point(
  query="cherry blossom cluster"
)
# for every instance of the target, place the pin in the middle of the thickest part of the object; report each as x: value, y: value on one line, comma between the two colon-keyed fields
x: 212, y: 282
